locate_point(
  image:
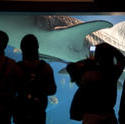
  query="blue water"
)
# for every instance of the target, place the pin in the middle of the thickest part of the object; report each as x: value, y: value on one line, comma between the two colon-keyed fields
x: 59, y: 104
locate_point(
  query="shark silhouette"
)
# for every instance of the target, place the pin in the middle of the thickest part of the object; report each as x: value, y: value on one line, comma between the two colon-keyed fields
x: 65, y: 44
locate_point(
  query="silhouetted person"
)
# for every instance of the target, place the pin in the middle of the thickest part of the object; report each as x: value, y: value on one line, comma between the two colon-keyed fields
x: 36, y: 84
x: 97, y: 80
x: 9, y: 73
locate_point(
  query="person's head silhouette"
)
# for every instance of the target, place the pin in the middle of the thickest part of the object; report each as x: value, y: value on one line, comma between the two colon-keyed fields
x: 29, y: 46
x: 104, y: 54
x: 3, y: 41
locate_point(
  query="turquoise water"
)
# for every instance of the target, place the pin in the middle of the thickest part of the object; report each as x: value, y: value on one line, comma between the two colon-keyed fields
x: 59, y: 104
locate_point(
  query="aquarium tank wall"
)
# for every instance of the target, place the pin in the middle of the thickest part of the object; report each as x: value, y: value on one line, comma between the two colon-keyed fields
x: 60, y: 43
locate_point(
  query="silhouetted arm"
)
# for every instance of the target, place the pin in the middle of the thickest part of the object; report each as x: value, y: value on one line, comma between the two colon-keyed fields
x: 119, y: 65
x: 74, y: 70
x: 49, y: 80
x: 121, y: 112
x: 119, y: 57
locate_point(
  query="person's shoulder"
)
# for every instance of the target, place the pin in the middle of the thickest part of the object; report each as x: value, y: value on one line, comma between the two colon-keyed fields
x: 12, y: 66
x: 46, y: 66
x: 10, y: 61
x: 84, y: 62
x: 42, y: 62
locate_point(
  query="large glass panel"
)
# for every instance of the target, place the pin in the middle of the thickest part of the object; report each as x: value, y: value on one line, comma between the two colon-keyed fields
x: 57, y: 35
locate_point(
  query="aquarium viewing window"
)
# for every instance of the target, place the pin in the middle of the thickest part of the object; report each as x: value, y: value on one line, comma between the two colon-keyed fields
x: 58, y: 25
x: 61, y: 39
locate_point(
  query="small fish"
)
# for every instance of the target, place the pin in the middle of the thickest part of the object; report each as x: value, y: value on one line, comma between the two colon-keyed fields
x: 15, y: 50
x: 53, y: 100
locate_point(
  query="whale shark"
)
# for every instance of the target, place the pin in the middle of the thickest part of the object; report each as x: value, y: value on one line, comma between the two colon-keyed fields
x: 64, y: 44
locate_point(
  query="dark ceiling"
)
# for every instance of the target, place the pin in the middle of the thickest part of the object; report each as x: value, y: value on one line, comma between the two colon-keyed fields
x: 71, y: 6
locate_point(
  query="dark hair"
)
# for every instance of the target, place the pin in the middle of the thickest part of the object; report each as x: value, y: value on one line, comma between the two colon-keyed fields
x: 29, y: 42
x: 104, y: 54
x: 29, y: 46
x: 3, y: 40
